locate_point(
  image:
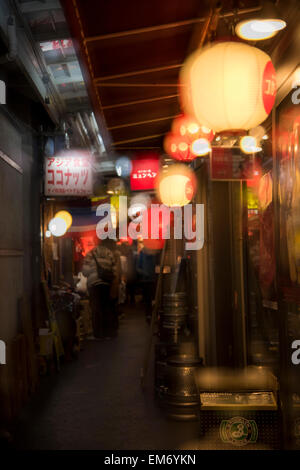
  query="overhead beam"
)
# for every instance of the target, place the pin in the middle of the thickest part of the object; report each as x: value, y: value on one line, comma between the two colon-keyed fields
x: 132, y: 103
x: 149, y: 29
x: 137, y: 148
x: 161, y: 27
x: 138, y: 85
x: 140, y: 123
x: 138, y: 139
x: 138, y: 72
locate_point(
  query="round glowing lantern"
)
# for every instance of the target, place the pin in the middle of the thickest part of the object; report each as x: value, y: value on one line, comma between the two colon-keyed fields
x: 200, y: 147
x: 58, y: 227
x: 66, y: 216
x: 186, y: 126
x: 228, y: 86
x: 176, y: 186
x: 178, y: 147
x: 206, y: 133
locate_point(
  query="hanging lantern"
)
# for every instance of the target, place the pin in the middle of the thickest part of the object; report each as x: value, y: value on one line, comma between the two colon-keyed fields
x: 206, y: 133
x: 228, y: 86
x: 66, y: 216
x: 176, y: 186
x: 186, y: 126
x: 178, y: 147
x: 200, y: 147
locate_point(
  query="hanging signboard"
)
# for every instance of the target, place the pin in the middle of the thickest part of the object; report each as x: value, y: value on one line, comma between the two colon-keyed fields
x: 68, y: 174
x: 143, y: 173
x: 229, y: 164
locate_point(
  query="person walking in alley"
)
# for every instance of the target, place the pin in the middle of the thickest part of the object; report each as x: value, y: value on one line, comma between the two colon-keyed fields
x: 100, y: 268
x: 146, y: 262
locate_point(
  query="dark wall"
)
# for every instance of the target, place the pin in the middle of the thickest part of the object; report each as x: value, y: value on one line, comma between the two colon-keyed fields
x: 220, y: 205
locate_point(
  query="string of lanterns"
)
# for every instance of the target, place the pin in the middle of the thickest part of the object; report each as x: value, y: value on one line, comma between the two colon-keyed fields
x: 226, y: 86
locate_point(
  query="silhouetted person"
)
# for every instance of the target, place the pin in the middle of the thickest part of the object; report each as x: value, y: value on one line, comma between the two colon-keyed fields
x: 100, y: 268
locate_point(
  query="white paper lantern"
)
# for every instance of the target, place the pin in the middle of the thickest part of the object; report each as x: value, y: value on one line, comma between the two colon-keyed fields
x: 228, y: 86
x: 176, y: 186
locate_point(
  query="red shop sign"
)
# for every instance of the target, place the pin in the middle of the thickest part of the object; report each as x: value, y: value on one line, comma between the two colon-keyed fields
x: 143, y: 173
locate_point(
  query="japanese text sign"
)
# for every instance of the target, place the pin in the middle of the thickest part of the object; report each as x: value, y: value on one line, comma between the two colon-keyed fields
x: 69, y: 175
x: 143, y: 174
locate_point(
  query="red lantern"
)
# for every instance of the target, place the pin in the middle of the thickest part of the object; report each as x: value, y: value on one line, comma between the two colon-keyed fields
x: 188, y: 127
x: 178, y: 147
x: 176, y: 186
x: 206, y: 133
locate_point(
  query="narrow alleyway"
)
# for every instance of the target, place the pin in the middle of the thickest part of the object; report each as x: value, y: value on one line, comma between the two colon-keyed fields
x: 97, y: 402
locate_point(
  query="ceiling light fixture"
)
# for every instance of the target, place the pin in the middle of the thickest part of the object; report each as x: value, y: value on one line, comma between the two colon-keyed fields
x: 264, y: 26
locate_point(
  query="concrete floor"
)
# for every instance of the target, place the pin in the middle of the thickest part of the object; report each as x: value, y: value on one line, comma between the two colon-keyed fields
x: 96, y: 402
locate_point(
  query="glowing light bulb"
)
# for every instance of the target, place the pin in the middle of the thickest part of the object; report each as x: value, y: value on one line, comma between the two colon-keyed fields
x: 58, y: 226
x: 66, y: 216
x: 193, y: 128
x: 257, y: 30
x: 183, y: 146
x: 248, y: 144
x: 201, y: 147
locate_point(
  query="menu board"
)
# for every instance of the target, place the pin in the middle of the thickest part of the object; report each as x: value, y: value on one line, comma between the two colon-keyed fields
x: 236, y: 400
x: 230, y: 164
